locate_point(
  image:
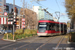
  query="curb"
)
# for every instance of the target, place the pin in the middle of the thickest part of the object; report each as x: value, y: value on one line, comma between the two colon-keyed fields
x: 20, y: 39
x: 25, y: 38
x: 9, y: 40
x: 17, y: 39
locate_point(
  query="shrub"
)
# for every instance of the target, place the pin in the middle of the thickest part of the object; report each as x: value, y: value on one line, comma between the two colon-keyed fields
x: 10, y: 36
x: 5, y: 36
x: 19, y: 34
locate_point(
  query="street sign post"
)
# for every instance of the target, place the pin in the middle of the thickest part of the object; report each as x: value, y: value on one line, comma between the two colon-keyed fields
x: 23, y: 24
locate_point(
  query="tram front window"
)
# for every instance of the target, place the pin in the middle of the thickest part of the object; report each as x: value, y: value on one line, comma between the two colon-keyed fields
x: 42, y: 28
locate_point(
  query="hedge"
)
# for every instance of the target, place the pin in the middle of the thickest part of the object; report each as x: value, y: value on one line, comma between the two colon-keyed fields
x: 19, y: 34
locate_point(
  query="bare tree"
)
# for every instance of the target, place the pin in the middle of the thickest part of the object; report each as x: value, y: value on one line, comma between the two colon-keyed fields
x: 30, y: 18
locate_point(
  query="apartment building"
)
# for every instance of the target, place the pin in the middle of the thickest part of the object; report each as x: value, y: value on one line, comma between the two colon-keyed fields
x: 42, y: 13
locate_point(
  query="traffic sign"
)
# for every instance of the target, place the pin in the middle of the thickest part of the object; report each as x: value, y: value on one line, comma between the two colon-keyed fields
x: 5, y: 13
x: 23, y: 19
x: 23, y: 26
x: 23, y: 23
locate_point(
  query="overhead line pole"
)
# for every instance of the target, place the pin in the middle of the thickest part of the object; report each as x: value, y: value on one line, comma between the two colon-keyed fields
x: 59, y: 22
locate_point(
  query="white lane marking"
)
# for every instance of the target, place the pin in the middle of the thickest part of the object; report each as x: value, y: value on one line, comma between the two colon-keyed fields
x: 44, y: 44
x: 7, y: 45
x: 59, y: 43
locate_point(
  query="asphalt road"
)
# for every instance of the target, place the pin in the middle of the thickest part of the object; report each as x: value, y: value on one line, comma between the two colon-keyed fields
x: 38, y: 43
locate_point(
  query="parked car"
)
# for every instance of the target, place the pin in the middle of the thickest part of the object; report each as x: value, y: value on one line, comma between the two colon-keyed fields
x: 5, y: 31
x: 8, y: 31
x: 2, y: 31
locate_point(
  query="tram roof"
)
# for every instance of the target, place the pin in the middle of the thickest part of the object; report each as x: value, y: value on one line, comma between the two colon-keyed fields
x: 50, y: 21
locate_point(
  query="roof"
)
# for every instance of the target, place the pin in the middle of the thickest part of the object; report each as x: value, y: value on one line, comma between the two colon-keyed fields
x: 50, y: 21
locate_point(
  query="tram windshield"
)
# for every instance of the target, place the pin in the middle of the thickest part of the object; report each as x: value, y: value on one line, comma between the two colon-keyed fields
x: 42, y: 27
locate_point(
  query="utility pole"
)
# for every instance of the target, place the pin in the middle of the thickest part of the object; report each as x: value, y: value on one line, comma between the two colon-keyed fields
x: 23, y: 11
x: 14, y: 16
x: 23, y: 7
x: 26, y: 4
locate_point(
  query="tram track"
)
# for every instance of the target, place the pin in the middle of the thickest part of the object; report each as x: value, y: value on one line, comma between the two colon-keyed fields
x: 60, y: 47
x: 48, y: 39
x: 45, y: 43
x: 18, y: 43
x: 38, y: 47
x: 59, y: 42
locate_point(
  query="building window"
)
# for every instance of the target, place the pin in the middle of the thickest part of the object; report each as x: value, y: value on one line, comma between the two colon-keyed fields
x: 0, y: 4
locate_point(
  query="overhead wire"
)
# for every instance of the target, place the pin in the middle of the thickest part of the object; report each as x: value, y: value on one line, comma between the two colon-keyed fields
x: 44, y: 6
x: 58, y: 5
x: 48, y: 7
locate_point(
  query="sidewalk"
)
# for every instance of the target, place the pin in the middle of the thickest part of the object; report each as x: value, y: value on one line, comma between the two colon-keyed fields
x: 68, y: 31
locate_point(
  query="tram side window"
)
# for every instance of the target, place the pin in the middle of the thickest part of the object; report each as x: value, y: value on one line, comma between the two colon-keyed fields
x: 49, y: 27
x: 61, y: 27
x: 52, y: 26
x: 65, y: 27
x: 57, y: 27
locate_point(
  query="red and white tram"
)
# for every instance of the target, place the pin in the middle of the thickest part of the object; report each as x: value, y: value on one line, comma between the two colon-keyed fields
x: 49, y: 27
